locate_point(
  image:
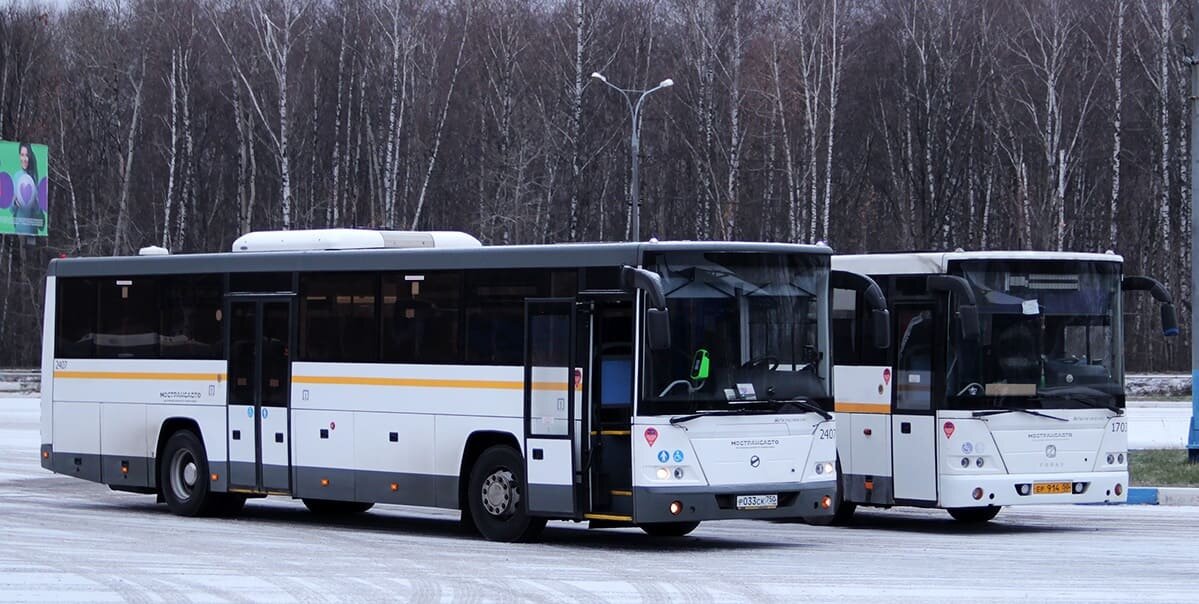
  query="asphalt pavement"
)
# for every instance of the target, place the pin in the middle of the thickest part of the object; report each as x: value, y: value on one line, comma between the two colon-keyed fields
x: 63, y: 539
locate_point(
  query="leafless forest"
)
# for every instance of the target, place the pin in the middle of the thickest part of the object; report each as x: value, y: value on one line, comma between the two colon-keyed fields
x: 871, y: 124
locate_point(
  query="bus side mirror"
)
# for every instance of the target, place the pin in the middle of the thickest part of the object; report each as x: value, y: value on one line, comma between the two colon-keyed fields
x: 969, y: 319
x: 966, y: 305
x: 657, y: 328
x: 881, y: 328
x: 1169, y: 321
x: 1159, y: 293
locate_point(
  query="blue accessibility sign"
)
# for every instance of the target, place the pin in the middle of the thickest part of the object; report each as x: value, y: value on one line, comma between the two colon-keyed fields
x: 663, y: 456
x: 678, y: 456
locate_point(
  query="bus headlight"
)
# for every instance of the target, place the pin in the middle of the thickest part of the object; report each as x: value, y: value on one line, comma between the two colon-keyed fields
x: 1120, y: 458
x: 678, y: 473
x: 663, y: 473
x: 1111, y: 459
x: 965, y: 462
x: 825, y: 467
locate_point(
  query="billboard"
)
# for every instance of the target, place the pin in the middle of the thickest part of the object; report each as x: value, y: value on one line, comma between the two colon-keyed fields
x: 24, y: 209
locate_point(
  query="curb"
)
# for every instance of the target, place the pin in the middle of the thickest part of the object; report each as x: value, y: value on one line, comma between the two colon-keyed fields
x: 1163, y: 496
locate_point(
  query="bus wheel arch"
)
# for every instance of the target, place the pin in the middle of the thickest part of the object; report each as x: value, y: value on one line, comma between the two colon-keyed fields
x: 496, y: 498
x: 476, y: 443
x: 180, y: 443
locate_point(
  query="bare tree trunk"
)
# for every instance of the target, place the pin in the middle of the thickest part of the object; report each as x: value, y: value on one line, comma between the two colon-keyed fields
x: 173, y: 96
x: 1118, y: 106
x: 445, y: 108
x: 834, y: 88
x: 119, y: 238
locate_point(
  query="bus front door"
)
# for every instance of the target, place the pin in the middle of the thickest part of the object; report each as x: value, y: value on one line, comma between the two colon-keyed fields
x: 553, y: 406
x: 913, y: 429
x: 259, y: 393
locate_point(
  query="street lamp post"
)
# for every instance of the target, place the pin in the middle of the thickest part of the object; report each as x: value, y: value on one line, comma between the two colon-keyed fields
x: 635, y: 110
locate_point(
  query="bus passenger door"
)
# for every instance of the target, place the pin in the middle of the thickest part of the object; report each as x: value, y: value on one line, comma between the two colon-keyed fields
x: 259, y: 394
x: 913, y: 423
x: 553, y: 383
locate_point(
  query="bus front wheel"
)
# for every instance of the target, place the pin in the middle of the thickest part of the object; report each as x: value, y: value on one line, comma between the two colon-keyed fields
x: 668, y: 529
x: 495, y: 497
x: 974, y: 515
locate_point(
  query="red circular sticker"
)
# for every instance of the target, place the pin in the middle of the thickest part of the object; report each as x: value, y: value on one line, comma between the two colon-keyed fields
x: 651, y: 435
x: 332, y: 425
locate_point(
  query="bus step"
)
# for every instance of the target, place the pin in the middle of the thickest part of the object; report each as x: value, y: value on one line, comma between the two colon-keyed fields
x: 601, y: 521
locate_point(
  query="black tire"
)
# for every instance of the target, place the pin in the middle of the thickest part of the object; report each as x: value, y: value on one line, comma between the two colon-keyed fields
x: 328, y: 507
x: 668, y: 529
x: 183, y: 477
x: 974, y: 515
x: 494, y: 497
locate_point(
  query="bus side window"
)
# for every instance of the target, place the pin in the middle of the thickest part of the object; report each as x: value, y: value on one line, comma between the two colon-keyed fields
x: 128, y: 318
x: 422, y: 317
x: 191, y: 317
x: 845, y: 327
x: 75, y: 333
x: 338, y: 322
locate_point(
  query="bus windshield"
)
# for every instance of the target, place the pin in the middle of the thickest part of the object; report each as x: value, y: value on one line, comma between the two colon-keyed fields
x: 1049, y: 337
x: 746, y: 328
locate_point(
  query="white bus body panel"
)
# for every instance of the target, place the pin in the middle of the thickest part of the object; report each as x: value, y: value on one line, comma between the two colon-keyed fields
x: 1018, y: 448
x: 863, y: 419
x: 47, y: 383
x: 914, y: 457
x: 719, y: 451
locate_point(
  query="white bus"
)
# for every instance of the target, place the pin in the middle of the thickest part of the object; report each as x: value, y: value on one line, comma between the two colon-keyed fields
x: 1005, y: 385
x: 655, y: 384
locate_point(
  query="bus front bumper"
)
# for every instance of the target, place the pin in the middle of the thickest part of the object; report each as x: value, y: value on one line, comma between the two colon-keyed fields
x: 795, y: 500
x: 1024, y: 489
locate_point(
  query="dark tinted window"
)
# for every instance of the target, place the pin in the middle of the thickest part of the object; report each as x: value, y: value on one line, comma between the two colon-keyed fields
x: 128, y: 324
x: 260, y: 282
x: 191, y: 316
x: 422, y: 316
x: 75, y: 334
x: 338, y: 320
x: 242, y: 322
x: 495, y: 313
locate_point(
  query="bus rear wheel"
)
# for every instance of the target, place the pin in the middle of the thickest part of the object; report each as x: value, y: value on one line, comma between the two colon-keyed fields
x: 974, y: 515
x: 668, y: 529
x: 496, y: 500
x: 328, y: 507
x: 183, y: 479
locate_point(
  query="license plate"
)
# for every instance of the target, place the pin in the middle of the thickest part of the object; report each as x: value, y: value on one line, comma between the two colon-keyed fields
x: 757, y: 502
x: 1052, y: 488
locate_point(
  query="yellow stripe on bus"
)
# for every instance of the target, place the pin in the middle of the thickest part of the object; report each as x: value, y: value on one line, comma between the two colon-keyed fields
x: 850, y: 407
x: 137, y: 375
x: 423, y: 382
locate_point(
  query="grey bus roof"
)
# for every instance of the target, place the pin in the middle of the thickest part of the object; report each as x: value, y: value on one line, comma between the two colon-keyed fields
x: 933, y: 263
x: 487, y: 257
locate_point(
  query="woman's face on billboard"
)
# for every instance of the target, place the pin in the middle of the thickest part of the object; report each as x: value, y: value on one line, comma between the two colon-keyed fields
x: 25, y: 158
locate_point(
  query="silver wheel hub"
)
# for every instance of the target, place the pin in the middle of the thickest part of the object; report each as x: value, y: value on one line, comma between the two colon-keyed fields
x: 500, y: 494
x: 184, y: 474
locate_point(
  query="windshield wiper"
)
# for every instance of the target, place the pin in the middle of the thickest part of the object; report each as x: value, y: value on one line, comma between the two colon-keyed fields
x: 802, y: 403
x: 739, y: 411
x: 797, y: 403
x: 1017, y: 410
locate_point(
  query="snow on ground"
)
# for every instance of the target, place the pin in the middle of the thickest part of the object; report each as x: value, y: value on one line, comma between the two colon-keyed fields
x: 69, y: 540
